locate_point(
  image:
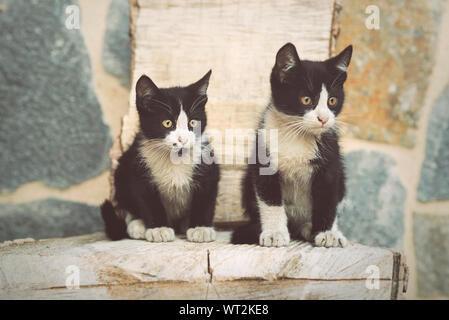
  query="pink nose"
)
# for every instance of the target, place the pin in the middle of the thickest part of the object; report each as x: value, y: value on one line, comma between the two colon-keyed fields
x: 323, y: 120
x: 183, y: 141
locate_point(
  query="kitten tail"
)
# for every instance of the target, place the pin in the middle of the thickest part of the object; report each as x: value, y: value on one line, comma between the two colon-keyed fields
x: 115, y: 228
x: 247, y: 234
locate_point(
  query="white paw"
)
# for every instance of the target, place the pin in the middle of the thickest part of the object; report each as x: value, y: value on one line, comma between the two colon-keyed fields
x: 201, y: 234
x: 274, y: 238
x: 136, y: 229
x: 162, y: 234
x: 330, y: 239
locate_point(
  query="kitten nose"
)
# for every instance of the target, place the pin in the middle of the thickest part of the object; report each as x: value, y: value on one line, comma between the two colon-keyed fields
x: 183, y: 141
x: 323, y: 120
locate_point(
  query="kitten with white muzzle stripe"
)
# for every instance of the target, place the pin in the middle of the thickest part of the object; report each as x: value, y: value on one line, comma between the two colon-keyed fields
x: 162, y: 186
x: 300, y: 199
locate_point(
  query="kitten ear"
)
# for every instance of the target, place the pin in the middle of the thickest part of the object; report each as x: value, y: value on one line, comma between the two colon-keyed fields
x: 145, y: 86
x: 286, y: 58
x: 341, y: 61
x: 201, y: 85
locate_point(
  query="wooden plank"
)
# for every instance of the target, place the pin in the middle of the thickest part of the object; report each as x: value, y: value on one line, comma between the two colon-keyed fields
x: 221, y: 290
x: 229, y: 208
x: 298, y: 290
x: 177, y: 41
x: 136, y: 291
x: 181, y: 269
x: 299, y: 260
x: 42, y: 264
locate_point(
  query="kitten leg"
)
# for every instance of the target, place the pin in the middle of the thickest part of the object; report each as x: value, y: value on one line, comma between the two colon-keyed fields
x: 324, y: 216
x: 274, y: 225
x: 135, y: 227
x: 153, y: 222
x: 331, y: 238
x: 203, y: 206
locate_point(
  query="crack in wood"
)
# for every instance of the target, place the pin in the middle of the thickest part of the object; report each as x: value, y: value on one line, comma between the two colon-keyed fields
x: 109, y: 285
x: 335, y: 26
x: 209, y: 268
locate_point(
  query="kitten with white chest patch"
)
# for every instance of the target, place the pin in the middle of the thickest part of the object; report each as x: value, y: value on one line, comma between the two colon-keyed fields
x: 300, y: 199
x: 162, y: 186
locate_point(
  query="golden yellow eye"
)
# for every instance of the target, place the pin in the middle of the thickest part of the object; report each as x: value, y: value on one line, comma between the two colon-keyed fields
x: 332, y: 101
x: 193, y: 123
x: 306, y: 101
x: 167, y: 123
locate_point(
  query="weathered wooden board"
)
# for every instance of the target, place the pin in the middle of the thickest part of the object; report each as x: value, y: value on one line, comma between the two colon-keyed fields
x: 130, y: 269
x: 229, y: 196
x: 298, y: 290
x: 176, y: 42
x: 230, y: 290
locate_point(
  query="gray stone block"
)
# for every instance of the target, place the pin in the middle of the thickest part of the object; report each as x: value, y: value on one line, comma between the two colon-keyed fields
x: 434, y: 182
x: 431, y: 239
x: 372, y: 211
x: 48, y: 218
x: 51, y: 124
x: 117, y: 42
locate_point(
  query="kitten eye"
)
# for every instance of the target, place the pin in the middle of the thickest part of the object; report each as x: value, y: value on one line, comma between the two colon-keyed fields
x: 332, y: 101
x: 193, y: 123
x: 167, y: 123
x: 306, y: 101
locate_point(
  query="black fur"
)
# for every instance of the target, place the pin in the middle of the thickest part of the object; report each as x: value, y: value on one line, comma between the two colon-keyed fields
x: 135, y: 188
x: 115, y: 227
x: 305, y: 78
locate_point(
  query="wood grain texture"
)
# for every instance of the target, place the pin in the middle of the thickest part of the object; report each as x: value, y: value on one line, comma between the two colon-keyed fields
x: 229, y: 207
x: 298, y: 290
x: 131, y: 269
x: 176, y: 42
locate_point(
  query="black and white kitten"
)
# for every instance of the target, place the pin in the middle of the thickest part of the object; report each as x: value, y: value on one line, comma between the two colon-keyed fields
x: 162, y: 186
x: 299, y: 200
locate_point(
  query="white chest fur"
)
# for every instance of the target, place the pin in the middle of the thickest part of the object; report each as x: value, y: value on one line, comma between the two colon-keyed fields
x: 293, y: 163
x: 173, y: 180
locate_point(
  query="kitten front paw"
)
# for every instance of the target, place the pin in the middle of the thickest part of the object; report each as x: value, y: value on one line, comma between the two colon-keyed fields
x: 162, y: 234
x: 201, y: 234
x: 136, y: 229
x: 274, y: 238
x: 330, y: 239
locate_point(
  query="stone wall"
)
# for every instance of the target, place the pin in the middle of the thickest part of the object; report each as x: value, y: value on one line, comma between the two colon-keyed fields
x: 396, y: 141
x: 64, y: 92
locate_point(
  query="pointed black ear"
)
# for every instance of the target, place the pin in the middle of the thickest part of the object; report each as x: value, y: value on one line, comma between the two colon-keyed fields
x: 145, y: 87
x: 341, y: 61
x: 201, y: 85
x: 286, y: 58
